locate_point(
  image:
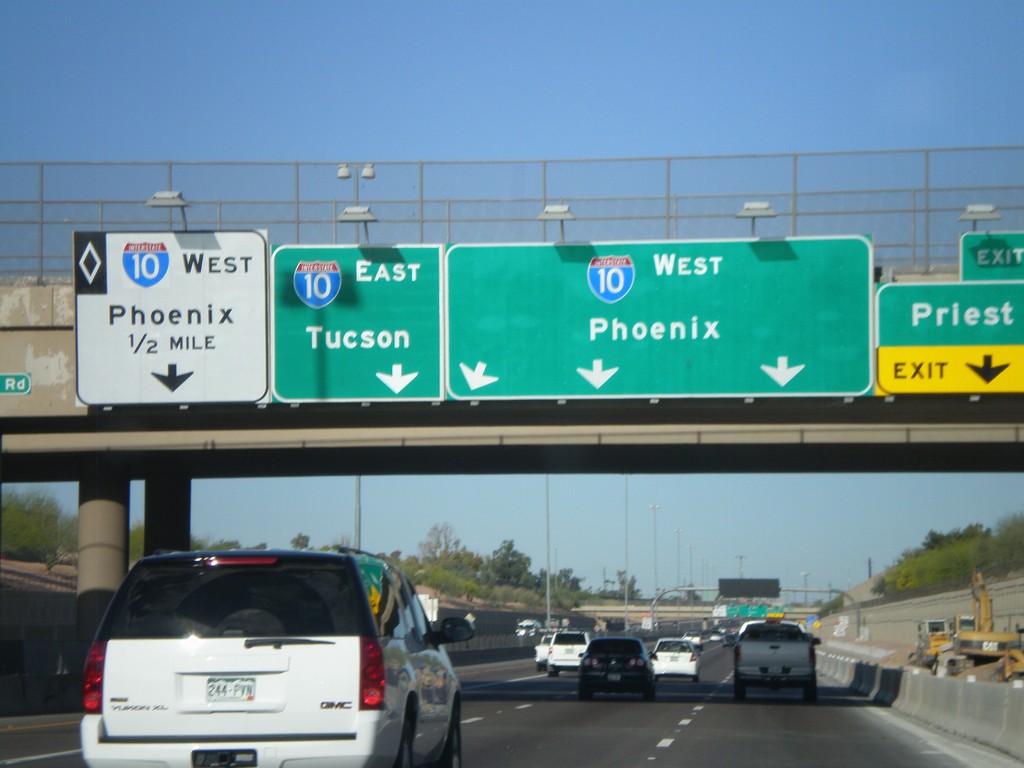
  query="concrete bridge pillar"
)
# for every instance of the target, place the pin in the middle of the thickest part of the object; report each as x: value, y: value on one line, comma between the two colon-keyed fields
x: 103, y: 495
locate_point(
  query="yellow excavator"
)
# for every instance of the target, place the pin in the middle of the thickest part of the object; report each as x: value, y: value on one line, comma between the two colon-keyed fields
x: 976, y: 642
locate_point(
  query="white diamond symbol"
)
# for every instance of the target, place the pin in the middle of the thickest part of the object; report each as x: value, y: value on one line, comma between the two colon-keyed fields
x: 90, y: 263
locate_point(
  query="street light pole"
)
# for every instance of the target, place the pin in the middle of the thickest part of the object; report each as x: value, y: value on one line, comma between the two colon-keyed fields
x: 679, y: 595
x: 358, y: 532
x: 690, y: 547
x: 654, y: 521
x: 625, y: 575
x: 547, y: 527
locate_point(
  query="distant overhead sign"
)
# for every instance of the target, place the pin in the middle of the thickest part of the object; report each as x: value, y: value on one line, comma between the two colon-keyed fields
x: 653, y: 319
x: 748, y: 587
x: 170, y: 317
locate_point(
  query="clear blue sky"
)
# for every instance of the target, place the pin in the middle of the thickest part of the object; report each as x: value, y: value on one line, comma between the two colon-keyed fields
x: 410, y: 81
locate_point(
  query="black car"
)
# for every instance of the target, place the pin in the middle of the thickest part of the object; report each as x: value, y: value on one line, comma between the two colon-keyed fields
x: 616, y: 665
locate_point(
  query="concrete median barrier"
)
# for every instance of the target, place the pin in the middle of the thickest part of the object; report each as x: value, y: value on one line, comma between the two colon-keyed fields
x: 988, y: 713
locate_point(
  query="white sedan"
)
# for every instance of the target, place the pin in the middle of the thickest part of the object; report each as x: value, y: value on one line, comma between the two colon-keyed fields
x: 676, y: 657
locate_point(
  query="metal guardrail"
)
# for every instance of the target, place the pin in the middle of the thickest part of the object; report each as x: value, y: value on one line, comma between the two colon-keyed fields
x: 908, y: 201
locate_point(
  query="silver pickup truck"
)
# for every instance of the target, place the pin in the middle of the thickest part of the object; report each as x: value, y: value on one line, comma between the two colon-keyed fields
x: 774, y: 654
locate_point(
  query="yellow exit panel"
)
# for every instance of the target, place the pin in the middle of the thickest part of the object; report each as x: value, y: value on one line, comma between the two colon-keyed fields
x: 975, y: 370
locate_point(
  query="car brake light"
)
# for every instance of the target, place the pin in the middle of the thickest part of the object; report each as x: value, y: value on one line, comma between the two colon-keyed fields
x: 371, y: 674
x: 92, y: 679
x: 239, y: 560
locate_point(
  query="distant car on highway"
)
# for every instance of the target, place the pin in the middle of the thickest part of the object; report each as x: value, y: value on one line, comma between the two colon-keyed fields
x: 676, y: 657
x: 616, y: 665
x: 694, y: 637
x: 565, y: 650
x: 528, y: 628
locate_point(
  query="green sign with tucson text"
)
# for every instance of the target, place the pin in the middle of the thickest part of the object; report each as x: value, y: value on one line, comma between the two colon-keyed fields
x: 356, y: 323
x: 660, y: 319
x: 992, y: 256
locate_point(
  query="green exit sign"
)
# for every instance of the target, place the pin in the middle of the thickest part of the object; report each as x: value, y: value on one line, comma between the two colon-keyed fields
x: 992, y: 256
x: 356, y: 323
x: 660, y: 319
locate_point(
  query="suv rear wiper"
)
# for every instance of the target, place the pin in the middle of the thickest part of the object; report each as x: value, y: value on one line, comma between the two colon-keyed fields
x: 277, y: 642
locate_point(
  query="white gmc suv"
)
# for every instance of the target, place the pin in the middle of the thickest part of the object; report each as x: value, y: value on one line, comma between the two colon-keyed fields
x: 270, y: 658
x: 565, y: 650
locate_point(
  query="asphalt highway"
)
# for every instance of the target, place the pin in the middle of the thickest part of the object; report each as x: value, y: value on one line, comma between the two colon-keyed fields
x: 515, y: 717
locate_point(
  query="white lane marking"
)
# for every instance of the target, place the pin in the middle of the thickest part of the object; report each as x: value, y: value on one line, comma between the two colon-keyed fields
x: 524, y: 706
x: 35, y: 758
x: 502, y: 682
x: 665, y: 743
x: 687, y: 721
x: 469, y: 720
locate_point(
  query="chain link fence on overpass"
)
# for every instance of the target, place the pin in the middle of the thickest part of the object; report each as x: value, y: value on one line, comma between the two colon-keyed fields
x: 908, y: 201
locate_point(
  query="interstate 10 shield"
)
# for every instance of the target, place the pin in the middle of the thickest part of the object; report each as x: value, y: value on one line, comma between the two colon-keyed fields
x: 317, y: 283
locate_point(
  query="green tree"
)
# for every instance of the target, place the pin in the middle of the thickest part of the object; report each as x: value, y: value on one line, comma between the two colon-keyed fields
x: 441, y: 545
x: 35, y: 529
x: 1005, y: 549
x: 300, y: 541
x: 507, y: 565
x: 136, y: 542
x: 634, y: 593
x: 935, y: 540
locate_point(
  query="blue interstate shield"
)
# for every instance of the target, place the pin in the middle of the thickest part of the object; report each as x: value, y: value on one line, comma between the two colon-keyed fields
x: 145, y: 263
x: 317, y: 283
x: 610, y: 277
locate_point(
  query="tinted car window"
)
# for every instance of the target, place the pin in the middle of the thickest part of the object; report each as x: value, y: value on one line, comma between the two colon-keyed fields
x: 614, y: 647
x: 769, y: 632
x: 208, y: 598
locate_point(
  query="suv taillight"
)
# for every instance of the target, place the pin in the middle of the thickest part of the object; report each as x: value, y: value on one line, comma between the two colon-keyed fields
x: 92, y: 679
x: 371, y: 674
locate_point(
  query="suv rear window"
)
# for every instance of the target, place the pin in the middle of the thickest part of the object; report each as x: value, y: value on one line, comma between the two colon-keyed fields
x: 570, y: 638
x: 237, y: 597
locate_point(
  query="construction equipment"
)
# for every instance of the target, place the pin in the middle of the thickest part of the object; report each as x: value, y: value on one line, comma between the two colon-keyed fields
x: 933, y: 637
x: 977, y: 643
